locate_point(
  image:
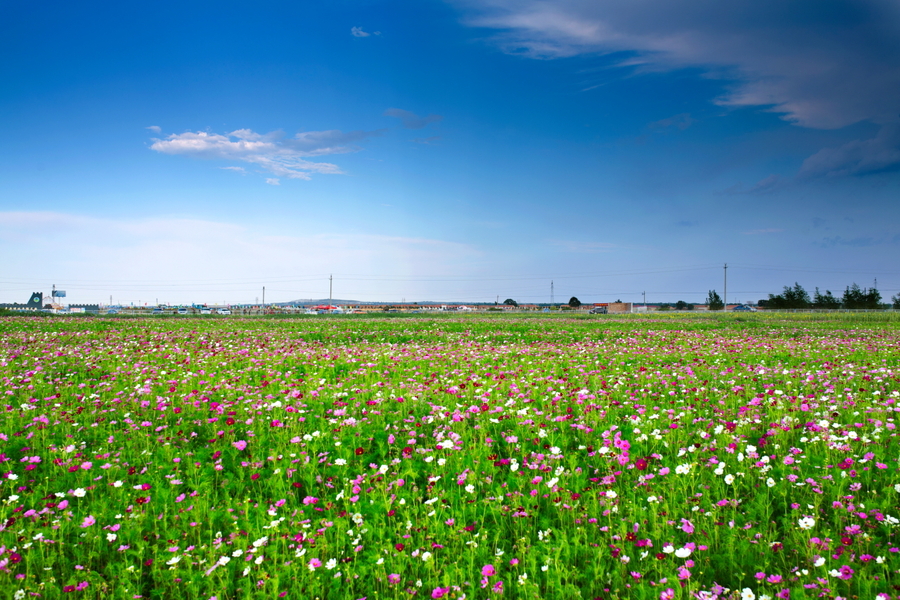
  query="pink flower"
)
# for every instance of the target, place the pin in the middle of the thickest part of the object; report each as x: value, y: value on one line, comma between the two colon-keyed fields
x: 488, y: 571
x: 394, y: 578
x: 667, y: 594
x: 88, y: 521
x: 314, y: 563
x: 240, y: 444
x: 439, y: 592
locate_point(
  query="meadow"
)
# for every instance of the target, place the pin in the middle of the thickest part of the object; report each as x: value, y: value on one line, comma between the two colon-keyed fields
x: 460, y: 457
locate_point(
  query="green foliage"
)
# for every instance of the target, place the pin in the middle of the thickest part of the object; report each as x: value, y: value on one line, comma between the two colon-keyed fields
x: 825, y: 301
x: 791, y: 297
x: 510, y: 302
x: 854, y: 297
x: 574, y: 302
x: 714, y: 301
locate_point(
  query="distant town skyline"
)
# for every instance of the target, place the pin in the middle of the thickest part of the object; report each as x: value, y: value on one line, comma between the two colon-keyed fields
x: 453, y: 150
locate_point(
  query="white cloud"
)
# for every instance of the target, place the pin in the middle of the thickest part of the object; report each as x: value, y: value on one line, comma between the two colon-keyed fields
x: 154, y: 128
x: 412, y: 120
x: 358, y: 32
x: 274, y: 152
x: 196, y: 260
x: 240, y: 170
x: 273, y: 181
x: 820, y: 65
x: 859, y: 157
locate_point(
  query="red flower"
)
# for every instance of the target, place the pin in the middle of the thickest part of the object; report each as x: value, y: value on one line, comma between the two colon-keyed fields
x: 399, y: 547
x: 255, y: 476
x: 69, y: 588
x: 359, y: 451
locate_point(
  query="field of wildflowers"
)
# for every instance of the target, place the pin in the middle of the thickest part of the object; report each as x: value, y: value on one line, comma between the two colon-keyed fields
x: 463, y: 457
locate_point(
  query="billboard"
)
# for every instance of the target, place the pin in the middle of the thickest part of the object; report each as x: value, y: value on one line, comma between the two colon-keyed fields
x: 59, y: 293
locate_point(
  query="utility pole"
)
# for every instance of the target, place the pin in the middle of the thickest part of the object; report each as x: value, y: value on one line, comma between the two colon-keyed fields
x: 725, y: 293
x: 551, y: 292
x: 264, y: 298
x: 645, y: 300
x: 330, y: 277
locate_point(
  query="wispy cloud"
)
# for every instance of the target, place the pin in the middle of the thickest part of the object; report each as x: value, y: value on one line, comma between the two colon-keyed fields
x: 859, y: 157
x: 427, y: 140
x: 360, y: 33
x: 412, y: 120
x: 142, y: 259
x: 240, y: 170
x: 767, y: 185
x: 680, y: 121
x: 818, y: 66
x: 273, y: 181
x: 274, y: 152
x: 154, y: 128
x: 859, y: 241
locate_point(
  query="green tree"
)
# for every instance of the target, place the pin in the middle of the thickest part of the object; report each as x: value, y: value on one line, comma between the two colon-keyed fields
x: 714, y: 301
x: 896, y: 301
x: 574, y: 302
x: 664, y: 307
x: 791, y: 297
x: 856, y: 297
x: 510, y: 302
x: 825, y: 301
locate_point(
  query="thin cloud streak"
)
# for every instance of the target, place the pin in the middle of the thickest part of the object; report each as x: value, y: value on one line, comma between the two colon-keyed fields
x: 818, y: 66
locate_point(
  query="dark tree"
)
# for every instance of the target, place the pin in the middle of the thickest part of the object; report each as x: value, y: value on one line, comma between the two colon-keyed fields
x: 896, y: 301
x: 681, y: 305
x: 510, y: 302
x: 791, y: 297
x: 825, y: 301
x: 854, y: 297
x: 714, y: 301
x: 574, y: 302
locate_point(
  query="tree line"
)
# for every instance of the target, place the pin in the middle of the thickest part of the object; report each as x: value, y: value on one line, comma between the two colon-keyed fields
x: 854, y: 297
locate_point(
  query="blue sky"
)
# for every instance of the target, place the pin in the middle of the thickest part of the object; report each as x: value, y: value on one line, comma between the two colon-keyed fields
x: 459, y: 150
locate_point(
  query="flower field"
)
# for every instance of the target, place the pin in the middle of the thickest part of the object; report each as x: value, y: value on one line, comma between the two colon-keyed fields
x: 462, y: 457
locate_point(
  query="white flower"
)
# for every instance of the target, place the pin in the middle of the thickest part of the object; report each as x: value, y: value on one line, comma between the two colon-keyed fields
x: 425, y: 556
x: 897, y: 487
x: 819, y: 561
x: 611, y: 494
x: 834, y: 573
x: 747, y: 594
x: 729, y: 479
x: 237, y: 553
x: 173, y: 561
x: 683, y: 469
x: 770, y: 482
x: 79, y: 493
x: 331, y: 564
x: 652, y: 499
x: 470, y: 489
x: 111, y: 537
x: 545, y: 567
x: 224, y: 560
x: 340, y: 462
x: 683, y: 552
x: 806, y: 523
x: 668, y: 549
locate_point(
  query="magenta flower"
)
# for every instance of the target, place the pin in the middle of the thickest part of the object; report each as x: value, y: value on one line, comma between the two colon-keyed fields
x: 240, y: 444
x: 667, y: 594
x: 394, y: 578
x: 488, y: 571
x: 439, y: 592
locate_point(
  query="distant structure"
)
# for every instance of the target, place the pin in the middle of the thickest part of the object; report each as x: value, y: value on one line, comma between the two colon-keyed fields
x: 36, y: 302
